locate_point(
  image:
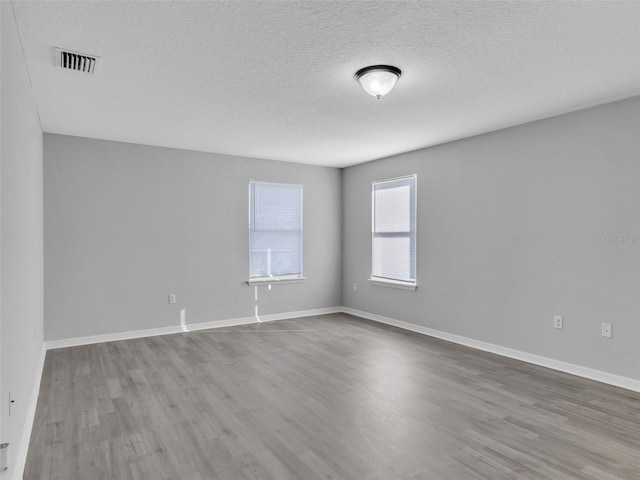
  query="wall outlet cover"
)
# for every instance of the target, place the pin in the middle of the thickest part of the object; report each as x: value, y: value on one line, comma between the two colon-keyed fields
x: 557, y: 321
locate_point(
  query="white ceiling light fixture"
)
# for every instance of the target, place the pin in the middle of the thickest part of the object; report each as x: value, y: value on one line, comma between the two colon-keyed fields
x: 378, y: 80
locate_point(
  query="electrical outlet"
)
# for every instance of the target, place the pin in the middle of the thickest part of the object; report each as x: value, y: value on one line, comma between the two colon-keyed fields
x: 355, y: 286
x: 172, y: 298
x: 606, y: 330
x: 557, y: 321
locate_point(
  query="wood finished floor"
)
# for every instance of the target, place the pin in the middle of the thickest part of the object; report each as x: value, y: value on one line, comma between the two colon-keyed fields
x: 330, y: 397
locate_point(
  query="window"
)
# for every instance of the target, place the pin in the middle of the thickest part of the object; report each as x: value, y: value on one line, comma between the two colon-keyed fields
x: 275, y: 232
x: 394, y: 232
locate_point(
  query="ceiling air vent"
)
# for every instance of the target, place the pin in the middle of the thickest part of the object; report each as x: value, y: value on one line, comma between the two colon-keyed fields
x: 80, y: 62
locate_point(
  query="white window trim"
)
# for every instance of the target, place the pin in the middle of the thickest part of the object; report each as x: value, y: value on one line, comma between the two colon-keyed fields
x: 276, y: 279
x: 388, y: 282
x: 391, y: 282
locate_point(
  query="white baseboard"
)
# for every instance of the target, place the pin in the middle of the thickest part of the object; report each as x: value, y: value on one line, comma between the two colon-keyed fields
x: 585, y: 372
x: 16, y: 472
x: 262, y: 318
x: 152, y: 332
x: 111, y: 337
x: 580, y: 371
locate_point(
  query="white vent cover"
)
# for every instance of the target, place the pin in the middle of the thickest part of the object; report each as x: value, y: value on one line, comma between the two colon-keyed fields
x: 80, y: 62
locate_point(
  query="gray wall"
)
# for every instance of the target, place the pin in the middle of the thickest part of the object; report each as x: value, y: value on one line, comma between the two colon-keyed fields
x: 125, y: 225
x: 510, y: 230
x: 21, y: 244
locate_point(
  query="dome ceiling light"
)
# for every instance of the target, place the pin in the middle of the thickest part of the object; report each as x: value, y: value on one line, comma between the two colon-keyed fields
x: 378, y: 80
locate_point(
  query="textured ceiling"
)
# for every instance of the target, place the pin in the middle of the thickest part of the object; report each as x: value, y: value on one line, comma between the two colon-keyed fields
x: 275, y: 79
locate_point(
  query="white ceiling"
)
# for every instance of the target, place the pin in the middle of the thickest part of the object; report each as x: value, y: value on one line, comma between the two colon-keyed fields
x: 275, y: 79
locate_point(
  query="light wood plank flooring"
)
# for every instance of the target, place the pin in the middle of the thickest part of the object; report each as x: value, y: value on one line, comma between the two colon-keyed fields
x: 329, y: 397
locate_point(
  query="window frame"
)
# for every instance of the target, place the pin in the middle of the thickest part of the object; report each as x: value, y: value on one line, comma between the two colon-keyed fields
x: 283, y: 278
x: 411, y: 284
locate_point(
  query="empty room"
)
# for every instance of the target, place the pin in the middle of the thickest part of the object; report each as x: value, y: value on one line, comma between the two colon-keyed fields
x: 312, y: 240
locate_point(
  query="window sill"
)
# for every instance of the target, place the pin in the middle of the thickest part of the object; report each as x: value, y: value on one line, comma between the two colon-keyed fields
x: 276, y: 280
x: 386, y: 282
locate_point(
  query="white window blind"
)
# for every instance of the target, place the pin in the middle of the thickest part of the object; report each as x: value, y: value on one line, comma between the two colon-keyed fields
x: 394, y: 230
x: 275, y: 226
